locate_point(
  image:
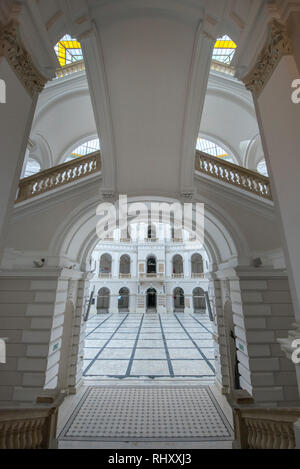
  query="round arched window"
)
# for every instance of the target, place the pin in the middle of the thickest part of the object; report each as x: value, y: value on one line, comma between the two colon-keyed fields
x: 211, y: 148
x: 85, y: 149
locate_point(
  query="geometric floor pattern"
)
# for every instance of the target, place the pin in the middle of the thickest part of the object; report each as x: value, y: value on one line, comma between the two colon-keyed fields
x: 147, y: 413
x: 149, y: 345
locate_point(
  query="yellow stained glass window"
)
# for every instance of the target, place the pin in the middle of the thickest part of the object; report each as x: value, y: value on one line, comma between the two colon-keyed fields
x: 224, y: 50
x: 68, y: 50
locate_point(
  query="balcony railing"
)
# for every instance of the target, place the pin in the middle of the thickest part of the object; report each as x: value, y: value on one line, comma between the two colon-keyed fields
x: 197, y: 275
x: 181, y: 275
x: 224, y: 68
x: 58, y: 176
x: 152, y: 276
x: 105, y: 275
x: 124, y: 275
x: 233, y: 174
x: 79, y: 66
x: 265, y: 428
x: 70, y: 68
x: 28, y: 428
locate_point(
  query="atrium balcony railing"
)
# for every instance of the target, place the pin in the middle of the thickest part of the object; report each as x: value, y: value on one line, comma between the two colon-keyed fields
x: 79, y: 66
x: 74, y: 67
x: 124, y: 275
x: 58, y: 176
x: 107, y: 275
x: 233, y: 174
x: 197, y: 275
x: 152, y: 276
x: 181, y: 275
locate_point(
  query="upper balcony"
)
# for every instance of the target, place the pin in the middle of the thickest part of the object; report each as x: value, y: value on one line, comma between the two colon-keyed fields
x: 152, y: 277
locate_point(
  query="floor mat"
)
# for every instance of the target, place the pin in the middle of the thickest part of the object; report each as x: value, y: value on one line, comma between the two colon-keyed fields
x: 146, y: 413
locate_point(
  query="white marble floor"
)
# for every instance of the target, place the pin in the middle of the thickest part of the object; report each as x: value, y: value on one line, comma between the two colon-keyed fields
x: 154, y: 346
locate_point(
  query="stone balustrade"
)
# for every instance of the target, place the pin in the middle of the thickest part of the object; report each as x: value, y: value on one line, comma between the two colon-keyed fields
x: 58, y: 176
x: 233, y: 174
x: 265, y: 428
x: 28, y: 428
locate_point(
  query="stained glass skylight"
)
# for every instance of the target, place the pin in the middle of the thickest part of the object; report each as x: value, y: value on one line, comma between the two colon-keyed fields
x: 212, y: 149
x: 68, y: 50
x: 224, y: 50
x: 85, y: 149
x: 262, y: 168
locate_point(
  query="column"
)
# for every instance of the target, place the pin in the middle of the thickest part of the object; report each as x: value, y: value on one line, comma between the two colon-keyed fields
x: 278, y: 112
x: 21, y: 83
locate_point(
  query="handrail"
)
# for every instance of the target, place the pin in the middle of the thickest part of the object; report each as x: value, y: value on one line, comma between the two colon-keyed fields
x: 28, y: 428
x: 58, y: 176
x: 73, y: 67
x: 79, y: 66
x: 257, y: 428
x: 233, y: 174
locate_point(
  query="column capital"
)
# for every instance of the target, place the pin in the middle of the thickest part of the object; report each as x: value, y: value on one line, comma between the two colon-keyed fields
x: 12, y: 49
x: 278, y: 44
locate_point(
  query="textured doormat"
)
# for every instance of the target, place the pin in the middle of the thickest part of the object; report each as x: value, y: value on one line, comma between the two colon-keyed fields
x: 146, y: 413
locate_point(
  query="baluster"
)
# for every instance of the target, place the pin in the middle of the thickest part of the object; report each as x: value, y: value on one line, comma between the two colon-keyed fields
x: 28, y: 435
x: 3, y: 428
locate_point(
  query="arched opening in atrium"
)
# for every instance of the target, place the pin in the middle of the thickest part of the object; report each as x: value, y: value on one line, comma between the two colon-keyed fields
x: 199, y: 304
x: 125, y: 266
x: 197, y: 265
x: 105, y: 265
x: 147, y: 293
x: 123, y: 300
x: 177, y: 266
x: 151, y: 265
x: 151, y: 300
x: 103, y: 300
x: 178, y: 300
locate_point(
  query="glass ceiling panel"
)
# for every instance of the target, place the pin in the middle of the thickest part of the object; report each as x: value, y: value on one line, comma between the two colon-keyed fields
x: 224, y: 50
x: 206, y: 146
x: 68, y: 50
x: 32, y: 167
x: 85, y: 149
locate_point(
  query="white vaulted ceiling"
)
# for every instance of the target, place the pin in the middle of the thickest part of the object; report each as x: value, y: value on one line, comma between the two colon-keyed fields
x: 147, y: 65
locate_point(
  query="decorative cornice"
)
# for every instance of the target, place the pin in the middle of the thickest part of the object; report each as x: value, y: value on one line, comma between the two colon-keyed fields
x: 278, y: 45
x: 19, y: 59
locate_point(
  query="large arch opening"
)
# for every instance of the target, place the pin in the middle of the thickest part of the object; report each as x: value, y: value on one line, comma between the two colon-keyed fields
x: 103, y: 300
x: 177, y: 266
x: 178, y: 300
x: 123, y: 300
x: 125, y: 263
x: 219, y: 247
x: 105, y: 266
x: 199, y: 304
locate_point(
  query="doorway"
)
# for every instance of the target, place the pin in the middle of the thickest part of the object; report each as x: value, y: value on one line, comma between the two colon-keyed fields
x: 151, y: 300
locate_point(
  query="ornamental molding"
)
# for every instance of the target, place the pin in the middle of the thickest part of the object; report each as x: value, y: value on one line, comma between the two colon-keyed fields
x: 12, y: 49
x: 277, y: 46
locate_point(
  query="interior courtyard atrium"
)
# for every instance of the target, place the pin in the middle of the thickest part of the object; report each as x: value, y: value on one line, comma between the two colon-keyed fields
x: 149, y: 224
